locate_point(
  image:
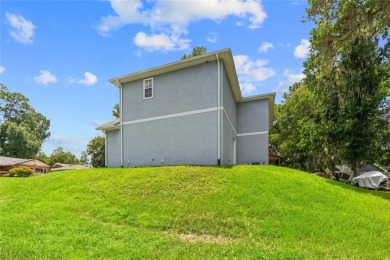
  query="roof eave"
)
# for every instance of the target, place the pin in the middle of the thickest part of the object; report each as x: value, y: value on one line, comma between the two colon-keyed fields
x: 107, y: 128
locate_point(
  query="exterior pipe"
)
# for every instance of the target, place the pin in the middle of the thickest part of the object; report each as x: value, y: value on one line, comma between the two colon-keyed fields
x: 219, y: 113
x: 121, y: 119
x: 105, y: 148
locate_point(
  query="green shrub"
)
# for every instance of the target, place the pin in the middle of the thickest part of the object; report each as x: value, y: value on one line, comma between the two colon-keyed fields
x: 20, y: 172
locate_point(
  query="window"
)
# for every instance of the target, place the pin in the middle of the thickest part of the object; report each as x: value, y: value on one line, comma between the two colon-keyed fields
x: 148, y: 88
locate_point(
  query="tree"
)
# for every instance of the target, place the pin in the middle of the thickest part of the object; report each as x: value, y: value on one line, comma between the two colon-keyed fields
x: 361, y: 96
x: 41, y: 156
x: 297, y: 132
x: 347, y: 70
x: 16, y: 140
x: 340, y: 22
x: 60, y: 156
x: 84, y: 158
x: 196, y: 51
x: 96, y: 149
x: 16, y: 113
x: 116, y: 111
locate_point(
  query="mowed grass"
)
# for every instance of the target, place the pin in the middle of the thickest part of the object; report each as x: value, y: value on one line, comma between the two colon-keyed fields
x: 188, y: 212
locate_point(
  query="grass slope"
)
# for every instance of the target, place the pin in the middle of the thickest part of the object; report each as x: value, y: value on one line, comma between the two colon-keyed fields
x: 190, y: 212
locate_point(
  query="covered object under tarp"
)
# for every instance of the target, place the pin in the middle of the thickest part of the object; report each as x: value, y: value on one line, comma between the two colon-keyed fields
x: 371, y: 180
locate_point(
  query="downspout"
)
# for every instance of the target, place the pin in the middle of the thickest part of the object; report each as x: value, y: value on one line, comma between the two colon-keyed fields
x: 121, y: 119
x: 222, y: 110
x: 105, y: 148
x: 219, y: 114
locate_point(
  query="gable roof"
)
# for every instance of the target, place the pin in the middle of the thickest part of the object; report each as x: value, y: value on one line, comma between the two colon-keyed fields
x: 9, y: 161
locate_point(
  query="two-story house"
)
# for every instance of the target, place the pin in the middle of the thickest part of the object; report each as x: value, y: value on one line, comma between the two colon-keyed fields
x: 188, y: 112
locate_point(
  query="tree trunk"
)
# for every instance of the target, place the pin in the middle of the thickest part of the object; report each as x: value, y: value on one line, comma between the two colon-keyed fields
x: 356, y: 166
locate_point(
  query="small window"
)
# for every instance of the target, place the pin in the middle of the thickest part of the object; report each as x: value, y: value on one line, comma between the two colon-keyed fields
x: 148, y: 88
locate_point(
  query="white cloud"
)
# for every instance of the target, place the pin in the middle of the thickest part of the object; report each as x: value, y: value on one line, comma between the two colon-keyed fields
x: 302, y: 49
x: 265, y: 46
x: 22, y: 30
x: 2, y: 69
x: 127, y: 12
x: 72, y: 144
x: 162, y: 42
x: 247, y: 88
x: 45, y: 77
x: 251, y: 71
x: 89, y: 79
x: 170, y: 19
x: 290, y: 79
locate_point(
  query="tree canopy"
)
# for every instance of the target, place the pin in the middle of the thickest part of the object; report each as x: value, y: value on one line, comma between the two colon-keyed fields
x: 340, y: 112
x: 22, y: 129
x: 196, y: 51
x: 60, y: 156
x: 116, y: 111
x: 96, y: 149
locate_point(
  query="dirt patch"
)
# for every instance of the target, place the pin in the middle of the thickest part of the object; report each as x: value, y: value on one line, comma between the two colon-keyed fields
x: 194, y: 238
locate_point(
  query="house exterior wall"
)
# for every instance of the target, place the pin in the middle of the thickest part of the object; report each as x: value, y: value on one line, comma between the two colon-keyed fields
x: 229, y: 121
x: 178, y: 125
x: 35, y: 165
x: 253, y: 126
x: 190, y: 139
x: 178, y: 91
x: 113, y: 146
x: 228, y: 143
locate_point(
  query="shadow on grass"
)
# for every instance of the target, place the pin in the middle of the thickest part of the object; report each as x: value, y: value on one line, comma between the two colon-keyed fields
x: 382, y: 194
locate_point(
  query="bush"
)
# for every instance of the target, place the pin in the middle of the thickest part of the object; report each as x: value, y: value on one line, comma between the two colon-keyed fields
x: 20, y: 172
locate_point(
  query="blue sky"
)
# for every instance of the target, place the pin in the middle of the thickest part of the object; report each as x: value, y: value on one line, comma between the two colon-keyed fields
x: 61, y: 54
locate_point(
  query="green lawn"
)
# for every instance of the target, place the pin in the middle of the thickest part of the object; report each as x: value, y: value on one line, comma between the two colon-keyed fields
x: 191, y: 212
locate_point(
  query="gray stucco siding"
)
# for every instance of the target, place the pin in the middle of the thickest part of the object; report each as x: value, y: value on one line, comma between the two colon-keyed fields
x: 113, y: 144
x: 252, y: 149
x: 229, y: 103
x: 228, y: 137
x: 190, y: 139
x: 252, y: 116
x: 175, y: 92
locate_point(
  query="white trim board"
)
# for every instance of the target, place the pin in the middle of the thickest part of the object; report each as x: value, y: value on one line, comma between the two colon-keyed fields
x: 254, y: 133
x: 199, y: 111
x: 194, y: 112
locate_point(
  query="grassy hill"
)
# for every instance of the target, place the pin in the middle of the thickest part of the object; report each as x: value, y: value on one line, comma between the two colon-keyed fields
x: 190, y: 212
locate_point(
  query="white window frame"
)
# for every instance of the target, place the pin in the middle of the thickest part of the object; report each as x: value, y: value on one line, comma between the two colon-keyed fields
x: 143, y: 89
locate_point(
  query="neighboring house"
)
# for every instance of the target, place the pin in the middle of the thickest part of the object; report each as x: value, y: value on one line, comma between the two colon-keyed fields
x: 274, y: 158
x: 188, y: 112
x: 64, y: 166
x: 8, y: 163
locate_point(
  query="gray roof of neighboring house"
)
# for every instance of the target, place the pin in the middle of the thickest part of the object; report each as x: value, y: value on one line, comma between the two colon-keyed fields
x: 8, y: 161
x: 112, y: 125
x: 64, y: 166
